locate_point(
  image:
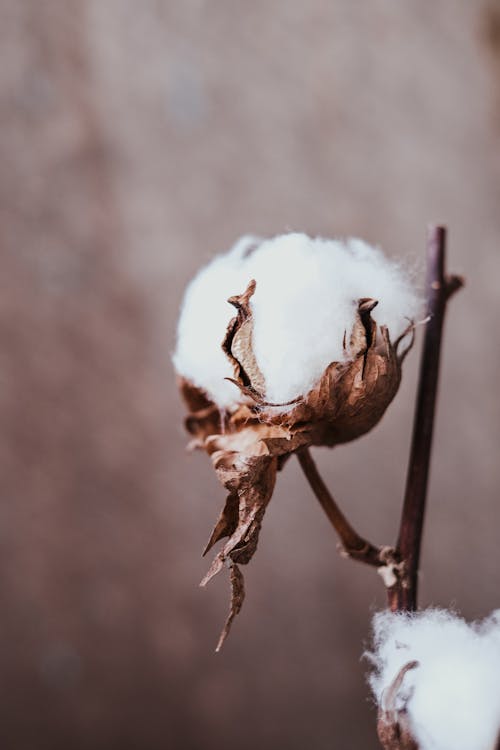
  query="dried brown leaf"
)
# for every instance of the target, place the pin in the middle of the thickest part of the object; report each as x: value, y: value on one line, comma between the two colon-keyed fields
x: 226, y: 523
x: 237, y: 598
x: 204, y: 417
x: 250, y: 481
x: 238, y: 342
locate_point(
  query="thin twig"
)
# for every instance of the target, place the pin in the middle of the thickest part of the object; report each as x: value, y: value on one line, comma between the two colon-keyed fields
x: 353, y: 544
x: 403, y: 595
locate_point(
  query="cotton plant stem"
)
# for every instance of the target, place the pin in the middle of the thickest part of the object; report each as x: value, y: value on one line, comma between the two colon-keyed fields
x: 403, y: 595
x: 353, y: 544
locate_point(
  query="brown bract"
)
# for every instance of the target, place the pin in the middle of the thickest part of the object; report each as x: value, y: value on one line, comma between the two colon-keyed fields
x: 393, y: 726
x: 251, y: 442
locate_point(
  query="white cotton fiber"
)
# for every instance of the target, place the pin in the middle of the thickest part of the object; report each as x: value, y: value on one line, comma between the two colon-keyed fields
x: 305, y: 299
x: 453, y: 696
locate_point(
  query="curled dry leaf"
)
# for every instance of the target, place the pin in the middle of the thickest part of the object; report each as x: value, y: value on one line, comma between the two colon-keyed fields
x: 393, y: 726
x: 237, y: 597
x: 252, y: 442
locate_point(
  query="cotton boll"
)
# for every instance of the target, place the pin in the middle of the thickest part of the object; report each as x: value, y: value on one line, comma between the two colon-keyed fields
x: 452, y: 697
x: 298, y: 329
x: 304, y: 307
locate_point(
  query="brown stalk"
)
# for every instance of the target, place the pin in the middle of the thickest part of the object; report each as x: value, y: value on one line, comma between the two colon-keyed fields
x: 353, y: 544
x: 440, y: 287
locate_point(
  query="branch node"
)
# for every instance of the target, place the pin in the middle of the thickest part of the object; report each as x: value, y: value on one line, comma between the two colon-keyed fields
x: 392, y: 568
x: 452, y: 284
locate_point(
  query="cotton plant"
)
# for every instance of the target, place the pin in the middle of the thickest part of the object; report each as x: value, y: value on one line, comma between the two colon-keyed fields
x: 312, y: 356
x: 292, y: 342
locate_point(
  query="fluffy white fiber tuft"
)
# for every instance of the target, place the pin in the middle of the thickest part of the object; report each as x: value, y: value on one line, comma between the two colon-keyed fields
x: 306, y: 296
x: 453, y: 697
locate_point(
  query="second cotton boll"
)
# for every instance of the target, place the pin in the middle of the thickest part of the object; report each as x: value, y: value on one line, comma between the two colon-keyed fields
x: 438, y: 676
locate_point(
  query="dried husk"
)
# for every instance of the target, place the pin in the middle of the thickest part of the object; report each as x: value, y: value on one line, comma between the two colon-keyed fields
x: 393, y: 726
x: 249, y: 444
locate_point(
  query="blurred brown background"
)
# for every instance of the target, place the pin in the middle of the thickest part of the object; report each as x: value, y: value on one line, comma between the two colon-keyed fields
x: 136, y: 140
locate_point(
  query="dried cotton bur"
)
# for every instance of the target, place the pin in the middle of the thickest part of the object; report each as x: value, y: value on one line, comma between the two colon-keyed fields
x: 436, y: 681
x: 308, y: 352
